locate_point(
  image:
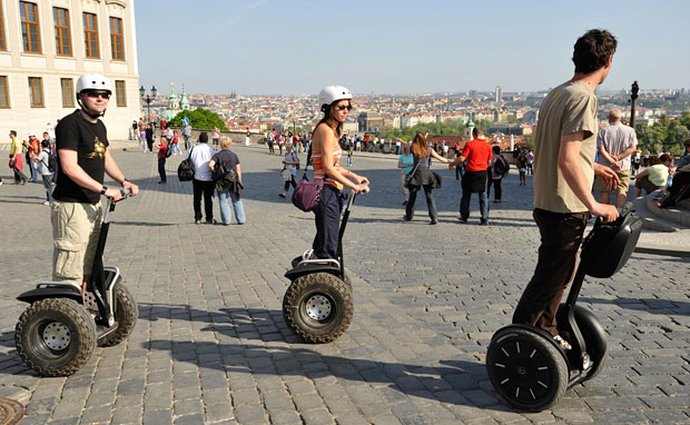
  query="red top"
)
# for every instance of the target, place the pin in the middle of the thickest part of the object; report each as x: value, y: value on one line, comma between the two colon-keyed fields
x: 478, y: 154
x: 162, y: 150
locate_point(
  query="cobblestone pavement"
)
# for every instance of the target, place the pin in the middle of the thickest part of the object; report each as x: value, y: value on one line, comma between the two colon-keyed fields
x: 211, y: 345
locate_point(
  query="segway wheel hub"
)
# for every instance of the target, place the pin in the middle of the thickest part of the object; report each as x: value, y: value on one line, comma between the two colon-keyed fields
x: 56, y: 336
x: 318, y: 307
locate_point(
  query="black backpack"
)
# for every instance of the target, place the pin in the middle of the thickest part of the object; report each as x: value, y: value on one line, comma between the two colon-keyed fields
x: 52, y: 163
x: 185, y: 171
x: 501, y: 166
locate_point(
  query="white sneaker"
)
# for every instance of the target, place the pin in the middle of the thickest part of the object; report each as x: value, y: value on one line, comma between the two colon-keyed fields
x: 46, y: 203
x: 565, y: 345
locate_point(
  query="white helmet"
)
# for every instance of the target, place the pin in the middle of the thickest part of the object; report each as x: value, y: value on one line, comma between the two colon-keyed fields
x: 93, y: 82
x: 332, y: 94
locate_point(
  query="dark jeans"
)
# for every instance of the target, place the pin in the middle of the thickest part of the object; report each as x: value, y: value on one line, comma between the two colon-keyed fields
x: 289, y: 183
x: 465, y: 205
x: 561, y: 236
x: 19, y: 175
x: 497, y: 188
x: 430, y: 203
x: 327, y: 218
x: 161, y: 169
x: 205, y: 188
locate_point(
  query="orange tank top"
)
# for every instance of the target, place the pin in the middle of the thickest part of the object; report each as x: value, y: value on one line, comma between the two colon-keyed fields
x: 320, y: 171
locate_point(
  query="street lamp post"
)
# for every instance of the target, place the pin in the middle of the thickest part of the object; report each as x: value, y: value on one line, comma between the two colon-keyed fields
x: 635, y: 89
x: 148, y: 98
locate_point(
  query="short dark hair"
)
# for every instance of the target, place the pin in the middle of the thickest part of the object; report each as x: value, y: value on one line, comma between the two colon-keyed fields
x: 593, y: 50
x: 45, y: 143
x: 496, y: 149
x: 476, y: 131
x: 203, y: 137
x: 14, y: 133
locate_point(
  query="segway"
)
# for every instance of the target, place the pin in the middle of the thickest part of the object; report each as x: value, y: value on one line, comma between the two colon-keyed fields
x: 57, y: 334
x: 317, y: 305
x: 527, y: 367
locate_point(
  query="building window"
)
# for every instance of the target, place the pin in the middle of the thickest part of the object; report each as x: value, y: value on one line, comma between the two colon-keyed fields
x: 36, y: 91
x: 63, y: 42
x: 30, y: 33
x: 120, y: 93
x: 91, y: 36
x: 4, y: 93
x: 68, y: 93
x: 3, y: 46
x: 117, y: 39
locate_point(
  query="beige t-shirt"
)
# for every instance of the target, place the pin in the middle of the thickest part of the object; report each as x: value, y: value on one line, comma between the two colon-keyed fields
x: 569, y: 108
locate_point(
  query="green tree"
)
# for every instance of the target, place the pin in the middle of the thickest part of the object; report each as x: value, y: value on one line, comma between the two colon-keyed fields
x: 199, y: 118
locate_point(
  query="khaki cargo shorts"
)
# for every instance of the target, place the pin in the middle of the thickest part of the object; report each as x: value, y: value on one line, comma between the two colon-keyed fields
x: 75, y: 236
x: 623, y: 182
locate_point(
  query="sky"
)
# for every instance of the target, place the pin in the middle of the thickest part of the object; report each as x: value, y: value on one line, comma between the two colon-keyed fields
x: 293, y: 47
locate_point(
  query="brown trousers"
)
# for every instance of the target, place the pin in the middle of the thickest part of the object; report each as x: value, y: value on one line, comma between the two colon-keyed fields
x: 561, y: 236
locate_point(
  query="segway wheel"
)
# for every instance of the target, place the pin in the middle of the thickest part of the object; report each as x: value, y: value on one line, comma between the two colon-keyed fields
x: 527, y: 371
x: 126, y: 313
x: 55, y: 336
x: 318, y: 307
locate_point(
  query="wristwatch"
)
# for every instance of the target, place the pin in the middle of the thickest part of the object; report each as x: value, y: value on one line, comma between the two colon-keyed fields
x: 104, y: 189
x: 123, y: 181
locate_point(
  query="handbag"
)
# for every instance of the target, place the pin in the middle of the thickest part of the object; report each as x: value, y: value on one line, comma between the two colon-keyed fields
x: 408, y: 176
x: 307, y: 194
x: 186, y: 169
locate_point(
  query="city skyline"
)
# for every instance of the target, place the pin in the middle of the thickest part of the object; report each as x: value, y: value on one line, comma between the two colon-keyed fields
x: 405, y: 47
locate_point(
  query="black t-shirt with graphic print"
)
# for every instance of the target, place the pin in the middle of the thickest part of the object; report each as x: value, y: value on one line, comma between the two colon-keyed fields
x: 75, y: 133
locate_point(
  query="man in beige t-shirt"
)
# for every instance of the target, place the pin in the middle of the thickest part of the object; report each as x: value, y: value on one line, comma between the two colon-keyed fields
x: 564, y: 170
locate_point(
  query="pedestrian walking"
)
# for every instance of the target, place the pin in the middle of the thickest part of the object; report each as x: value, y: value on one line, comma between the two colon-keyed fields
x: 187, y: 135
x: 163, y: 149
x: 16, y: 163
x: 44, y: 169
x: 421, y: 177
x: 215, y: 136
x: 202, y: 182
x: 406, y: 164
x: 228, y: 187
x: 498, y: 168
x: 289, y: 171
x: 563, y: 175
x: 478, y: 154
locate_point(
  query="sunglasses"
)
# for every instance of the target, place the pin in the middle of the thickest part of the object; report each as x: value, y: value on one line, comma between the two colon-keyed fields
x: 94, y: 94
x: 344, y: 107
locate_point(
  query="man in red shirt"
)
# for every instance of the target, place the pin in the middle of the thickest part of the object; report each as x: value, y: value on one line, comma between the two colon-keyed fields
x: 477, y: 152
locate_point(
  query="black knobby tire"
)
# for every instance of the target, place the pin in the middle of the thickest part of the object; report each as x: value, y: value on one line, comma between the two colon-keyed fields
x: 55, y: 336
x: 126, y: 313
x: 318, y: 307
x: 527, y: 371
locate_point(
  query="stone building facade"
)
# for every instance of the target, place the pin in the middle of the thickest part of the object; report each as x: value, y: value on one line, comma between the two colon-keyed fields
x: 45, y: 45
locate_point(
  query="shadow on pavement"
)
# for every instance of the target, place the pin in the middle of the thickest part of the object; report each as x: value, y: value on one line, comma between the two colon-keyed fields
x: 437, y: 383
x: 650, y: 305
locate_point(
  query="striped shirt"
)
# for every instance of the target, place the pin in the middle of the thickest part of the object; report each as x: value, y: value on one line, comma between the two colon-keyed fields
x: 320, y: 171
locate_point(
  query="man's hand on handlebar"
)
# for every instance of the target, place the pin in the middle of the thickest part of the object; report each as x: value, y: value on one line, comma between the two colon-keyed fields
x: 116, y: 194
x: 608, y: 213
x: 132, y: 187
